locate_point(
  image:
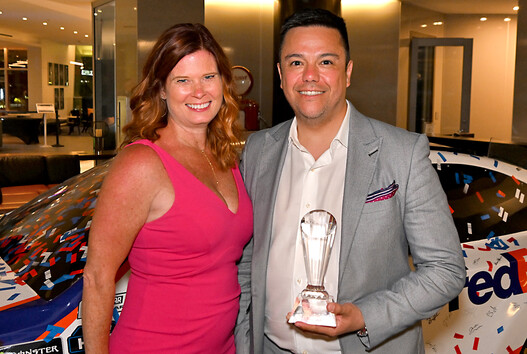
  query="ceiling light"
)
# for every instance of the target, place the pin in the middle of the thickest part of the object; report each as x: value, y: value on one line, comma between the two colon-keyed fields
x: 75, y: 32
x: 507, y: 19
x: 45, y: 23
x: 24, y: 18
x: 515, y: 8
x: 86, y: 35
x: 1, y: 12
x: 76, y: 63
x: 424, y: 25
x: 438, y: 23
x: 62, y: 28
x: 483, y: 19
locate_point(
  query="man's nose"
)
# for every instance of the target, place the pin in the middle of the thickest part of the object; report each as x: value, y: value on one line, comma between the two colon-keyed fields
x: 311, y: 73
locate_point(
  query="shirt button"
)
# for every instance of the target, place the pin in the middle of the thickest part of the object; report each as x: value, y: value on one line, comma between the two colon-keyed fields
x: 299, y: 281
x: 308, y: 205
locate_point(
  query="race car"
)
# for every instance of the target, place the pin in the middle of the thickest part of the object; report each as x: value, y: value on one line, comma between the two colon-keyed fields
x: 43, y: 248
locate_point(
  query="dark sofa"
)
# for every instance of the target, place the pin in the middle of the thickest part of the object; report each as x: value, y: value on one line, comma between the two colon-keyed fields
x: 24, y: 177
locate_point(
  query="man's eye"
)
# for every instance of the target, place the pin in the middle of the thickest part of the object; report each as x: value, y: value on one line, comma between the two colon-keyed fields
x: 295, y: 63
x: 327, y: 62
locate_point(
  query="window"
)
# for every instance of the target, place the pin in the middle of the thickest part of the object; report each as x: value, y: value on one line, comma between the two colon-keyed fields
x: 13, y: 80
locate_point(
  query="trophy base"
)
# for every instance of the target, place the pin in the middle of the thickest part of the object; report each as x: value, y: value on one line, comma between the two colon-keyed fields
x: 312, y: 309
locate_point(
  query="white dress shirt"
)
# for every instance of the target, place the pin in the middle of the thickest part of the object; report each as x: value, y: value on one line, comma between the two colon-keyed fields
x: 305, y: 185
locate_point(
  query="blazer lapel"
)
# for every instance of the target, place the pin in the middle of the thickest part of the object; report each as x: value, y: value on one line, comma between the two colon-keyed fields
x: 268, y: 177
x: 363, y: 151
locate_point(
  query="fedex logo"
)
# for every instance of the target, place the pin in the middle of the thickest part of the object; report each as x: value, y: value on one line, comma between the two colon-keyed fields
x: 508, y: 280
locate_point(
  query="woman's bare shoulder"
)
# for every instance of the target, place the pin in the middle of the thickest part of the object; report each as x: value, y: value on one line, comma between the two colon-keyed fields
x: 136, y: 165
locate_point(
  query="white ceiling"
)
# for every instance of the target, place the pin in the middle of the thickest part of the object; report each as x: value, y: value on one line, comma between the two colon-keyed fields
x: 480, y: 7
x: 75, y: 15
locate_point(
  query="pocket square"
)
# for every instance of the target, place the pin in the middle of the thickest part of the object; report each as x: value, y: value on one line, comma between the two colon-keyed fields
x: 383, y: 193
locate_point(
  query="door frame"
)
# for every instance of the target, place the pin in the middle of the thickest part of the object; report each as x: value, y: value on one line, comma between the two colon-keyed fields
x: 467, y: 44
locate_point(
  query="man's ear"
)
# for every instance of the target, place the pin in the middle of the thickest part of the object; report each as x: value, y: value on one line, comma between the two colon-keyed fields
x: 349, y: 69
x: 279, y: 74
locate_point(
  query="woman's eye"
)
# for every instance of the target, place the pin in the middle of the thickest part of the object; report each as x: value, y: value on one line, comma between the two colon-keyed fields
x: 209, y: 77
x: 181, y: 81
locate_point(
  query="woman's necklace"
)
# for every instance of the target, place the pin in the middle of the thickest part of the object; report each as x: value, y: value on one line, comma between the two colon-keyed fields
x: 212, y: 168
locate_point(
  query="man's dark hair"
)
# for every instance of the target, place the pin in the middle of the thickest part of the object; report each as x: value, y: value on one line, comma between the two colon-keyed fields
x: 315, y: 17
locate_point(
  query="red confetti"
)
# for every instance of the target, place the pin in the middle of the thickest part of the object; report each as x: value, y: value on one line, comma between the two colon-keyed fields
x: 476, y: 343
x: 458, y: 336
x: 501, y: 193
x: 490, y: 266
x: 458, y: 351
x: 33, y: 273
x: 52, y: 261
x: 451, y: 210
x: 468, y: 246
x: 479, y: 197
x: 515, y: 180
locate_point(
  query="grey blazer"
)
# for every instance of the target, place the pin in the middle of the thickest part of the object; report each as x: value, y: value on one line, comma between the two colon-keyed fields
x: 374, y: 270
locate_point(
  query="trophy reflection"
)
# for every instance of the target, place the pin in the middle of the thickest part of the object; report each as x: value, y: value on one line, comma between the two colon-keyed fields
x: 318, y: 229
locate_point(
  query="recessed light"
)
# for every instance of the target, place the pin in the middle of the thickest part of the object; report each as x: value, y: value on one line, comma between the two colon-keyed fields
x: 507, y: 19
x: 62, y: 28
x: 424, y: 25
x: 516, y: 8
x: 45, y: 23
x: 483, y: 19
x: 86, y: 35
x: 438, y: 23
x: 1, y: 12
x: 75, y: 32
x: 24, y: 18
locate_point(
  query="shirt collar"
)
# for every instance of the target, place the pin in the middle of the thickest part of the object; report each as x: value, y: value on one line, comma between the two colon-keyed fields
x: 341, y: 137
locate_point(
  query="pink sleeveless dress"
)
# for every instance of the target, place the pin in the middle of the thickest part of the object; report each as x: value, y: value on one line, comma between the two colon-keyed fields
x: 183, y: 291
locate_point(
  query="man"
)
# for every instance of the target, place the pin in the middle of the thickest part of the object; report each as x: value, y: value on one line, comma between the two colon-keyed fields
x: 332, y: 157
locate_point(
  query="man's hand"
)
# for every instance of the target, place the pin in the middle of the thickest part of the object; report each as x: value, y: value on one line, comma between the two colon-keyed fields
x: 348, y: 317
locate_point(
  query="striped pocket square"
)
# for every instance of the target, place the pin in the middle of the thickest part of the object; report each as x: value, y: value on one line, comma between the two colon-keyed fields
x: 383, y: 193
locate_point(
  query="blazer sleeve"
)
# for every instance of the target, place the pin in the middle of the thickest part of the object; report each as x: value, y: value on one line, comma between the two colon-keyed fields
x: 434, y: 245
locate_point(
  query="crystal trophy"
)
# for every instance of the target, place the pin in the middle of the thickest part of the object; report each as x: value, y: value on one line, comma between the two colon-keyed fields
x: 318, y: 229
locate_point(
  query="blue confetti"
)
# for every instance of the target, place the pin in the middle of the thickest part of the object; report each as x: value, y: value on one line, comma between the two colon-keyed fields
x: 491, y: 235
x: 500, y: 329
x: 485, y: 217
x: 9, y: 288
x: 12, y: 297
x: 115, y: 315
x: 497, y: 244
x: 457, y: 178
x: 476, y: 157
x: 442, y: 156
x: 495, y: 163
x: 496, y: 209
x: 467, y: 179
x: 53, y: 331
x: 491, y: 175
x: 465, y: 254
x: 499, y: 195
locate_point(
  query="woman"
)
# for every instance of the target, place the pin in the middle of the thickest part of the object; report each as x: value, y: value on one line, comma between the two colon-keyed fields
x: 174, y: 204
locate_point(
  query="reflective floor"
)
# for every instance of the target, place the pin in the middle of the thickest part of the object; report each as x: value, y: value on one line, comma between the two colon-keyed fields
x: 72, y: 144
